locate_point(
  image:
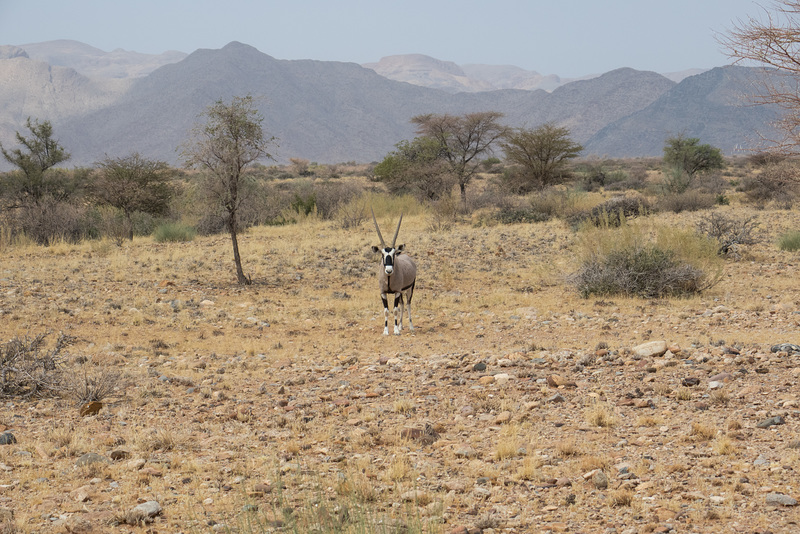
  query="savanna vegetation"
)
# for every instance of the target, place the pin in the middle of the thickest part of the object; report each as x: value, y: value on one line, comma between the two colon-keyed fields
x: 268, y: 401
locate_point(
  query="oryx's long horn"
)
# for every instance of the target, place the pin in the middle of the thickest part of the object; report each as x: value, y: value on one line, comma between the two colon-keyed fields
x: 394, y: 241
x: 378, y: 229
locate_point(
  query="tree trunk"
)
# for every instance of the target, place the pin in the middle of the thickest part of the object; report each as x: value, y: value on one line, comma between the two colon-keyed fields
x: 129, y: 222
x: 237, y: 259
x: 463, y: 187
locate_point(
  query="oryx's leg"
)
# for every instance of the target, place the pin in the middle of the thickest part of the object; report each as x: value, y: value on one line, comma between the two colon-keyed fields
x: 384, y: 298
x: 398, y: 313
x: 410, y: 294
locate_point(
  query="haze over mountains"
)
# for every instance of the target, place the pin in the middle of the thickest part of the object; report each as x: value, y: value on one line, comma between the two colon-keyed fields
x: 116, y: 103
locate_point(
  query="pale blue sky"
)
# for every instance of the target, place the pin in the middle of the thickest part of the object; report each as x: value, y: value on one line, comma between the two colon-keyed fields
x: 565, y: 37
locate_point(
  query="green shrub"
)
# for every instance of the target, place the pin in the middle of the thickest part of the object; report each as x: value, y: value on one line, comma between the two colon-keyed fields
x: 173, y: 232
x: 790, y: 241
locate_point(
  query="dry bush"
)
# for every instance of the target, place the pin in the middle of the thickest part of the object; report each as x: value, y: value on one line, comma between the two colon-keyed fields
x: 330, y: 196
x: 649, y: 272
x: 730, y: 232
x: 29, y: 368
x: 96, y: 386
x: 629, y: 261
x: 690, y: 200
x: 613, y: 212
x: 352, y: 214
x: 779, y: 183
x: 49, y: 221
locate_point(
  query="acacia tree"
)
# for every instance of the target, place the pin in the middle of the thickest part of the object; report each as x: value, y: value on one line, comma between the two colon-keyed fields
x: 133, y: 183
x: 40, y: 152
x: 416, y: 167
x: 231, y: 139
x: 543, y: 154
x: 462, y: 140
x: 687, y: 158
x: 773, y: 41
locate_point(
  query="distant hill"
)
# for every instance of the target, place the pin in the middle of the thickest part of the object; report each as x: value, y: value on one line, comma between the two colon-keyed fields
x: 95, y: 63
x: 712, y: 106
x: 333, y: 112
x: 426, y: 71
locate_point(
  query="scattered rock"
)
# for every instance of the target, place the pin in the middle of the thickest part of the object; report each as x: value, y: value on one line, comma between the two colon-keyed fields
x: 92, y: 458
x: 143, y: 513
x: 555, y: 381
x: 690, y: 382
x: 600, y: 479
x: 779, y: 499
x: 770, y: 421
x: 651, y: 349
x: 789, y: 348
x: 7, y: 438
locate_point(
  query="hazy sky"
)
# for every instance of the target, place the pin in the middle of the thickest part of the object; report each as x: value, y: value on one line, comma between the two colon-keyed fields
x: 565, y: 37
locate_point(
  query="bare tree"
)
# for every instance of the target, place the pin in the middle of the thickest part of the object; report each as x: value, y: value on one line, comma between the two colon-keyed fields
x: 773, y: 41
x: 462, y: 139
x: 231, y: 139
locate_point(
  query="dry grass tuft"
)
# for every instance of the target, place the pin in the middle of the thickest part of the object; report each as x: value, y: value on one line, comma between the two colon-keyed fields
x: 702, y: 431
x: 619, y: 498
x: 600, y: 414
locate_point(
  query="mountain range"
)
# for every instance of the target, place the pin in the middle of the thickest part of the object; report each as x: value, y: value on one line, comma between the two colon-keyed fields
x: 113, y: 104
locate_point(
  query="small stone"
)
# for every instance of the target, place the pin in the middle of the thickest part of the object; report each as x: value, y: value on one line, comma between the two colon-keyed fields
x: 779, y: 499
x: 651, y: 349
x: 558, y: 397
x: 555, y: 381
x: 92, y: 458
x: 7, y: 438
x: 466, y: 452
x: 502, y: 378
x: 690, y: 382
x: 600, y: 479
x: 479, y: 367
x: 770, y: 421
x: 789, y: 348
x: 146, y: 511
x: 721, y: 377
x: 135, y: 465
x: 503, y: 417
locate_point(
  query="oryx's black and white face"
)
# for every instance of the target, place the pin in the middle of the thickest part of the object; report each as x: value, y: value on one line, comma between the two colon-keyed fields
x: 388, y: 255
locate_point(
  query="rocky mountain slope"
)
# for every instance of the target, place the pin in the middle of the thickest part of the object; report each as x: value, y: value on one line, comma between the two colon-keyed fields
x: 333, y: 111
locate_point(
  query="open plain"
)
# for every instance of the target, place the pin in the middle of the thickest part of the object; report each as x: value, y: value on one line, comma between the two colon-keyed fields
x: 515, y: 405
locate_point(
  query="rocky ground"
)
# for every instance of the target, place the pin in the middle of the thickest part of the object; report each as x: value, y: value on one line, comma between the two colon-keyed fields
x: 515, y: 406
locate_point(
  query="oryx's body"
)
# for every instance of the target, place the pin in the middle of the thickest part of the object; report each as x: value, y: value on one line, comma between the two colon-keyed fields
x: 396, y: 276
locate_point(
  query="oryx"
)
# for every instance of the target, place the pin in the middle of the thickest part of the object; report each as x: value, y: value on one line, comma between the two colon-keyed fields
x: 397, y: 276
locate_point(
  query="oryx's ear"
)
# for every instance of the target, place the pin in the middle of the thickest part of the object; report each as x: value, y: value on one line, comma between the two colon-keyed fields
x: 375, y: 249
x: 401, y: 248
